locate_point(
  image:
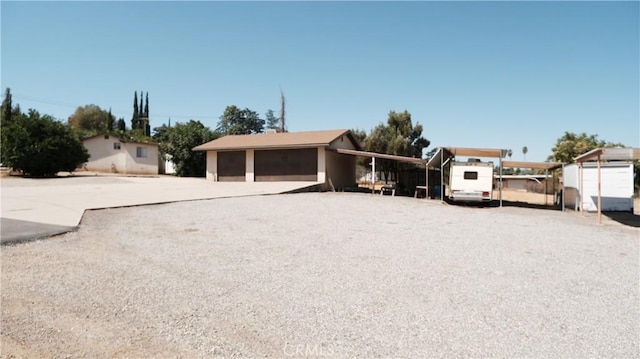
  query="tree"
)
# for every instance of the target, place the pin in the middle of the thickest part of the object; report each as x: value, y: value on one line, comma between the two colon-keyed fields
x: 283, y: 125
x: 90, y: 120
x: 524, y: 152
x: 272, y: 122
x: 121, y: 125
x: 178, y: 142
x: 235, y: 121
x: 38, y: 145
x: 135, y: 118
x: 111, y: 122
x: 7, y: 107
x: 509, y: 153
x: 571, y: 145
x: 398, y: 137
x: 359, y: 135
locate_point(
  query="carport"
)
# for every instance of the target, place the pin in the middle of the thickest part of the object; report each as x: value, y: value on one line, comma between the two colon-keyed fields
x: 374, y: 155
x: 603, y: 154
x: 546, y: 166
x: 445, y: 154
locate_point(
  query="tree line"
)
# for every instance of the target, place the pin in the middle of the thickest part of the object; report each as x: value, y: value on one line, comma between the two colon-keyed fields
x: 39, y: 145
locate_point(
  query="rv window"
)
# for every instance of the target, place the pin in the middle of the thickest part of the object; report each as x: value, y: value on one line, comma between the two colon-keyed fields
x: 470, y: 175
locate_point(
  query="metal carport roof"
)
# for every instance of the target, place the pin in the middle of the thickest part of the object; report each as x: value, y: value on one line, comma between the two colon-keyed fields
x: 445, y: 153
x: 382, y: 155
x: 547, y: 166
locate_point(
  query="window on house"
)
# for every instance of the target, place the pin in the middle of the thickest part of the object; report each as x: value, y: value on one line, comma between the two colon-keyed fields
x: 106, y: 137
x: 141, y: 152
x: 116, y: 145
x: 468, y: 175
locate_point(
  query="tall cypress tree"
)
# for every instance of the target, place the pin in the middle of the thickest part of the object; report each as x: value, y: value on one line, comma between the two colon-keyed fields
x: 136, y: 112
x: 141, y: 113
x: 146, y: 107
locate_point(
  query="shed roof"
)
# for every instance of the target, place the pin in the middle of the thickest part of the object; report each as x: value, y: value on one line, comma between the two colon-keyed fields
x: 611, y: 154
x: 276, y: 140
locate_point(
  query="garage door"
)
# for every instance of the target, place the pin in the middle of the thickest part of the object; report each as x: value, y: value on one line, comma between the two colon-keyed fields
x: 286, y: 165
x: 231, y: 166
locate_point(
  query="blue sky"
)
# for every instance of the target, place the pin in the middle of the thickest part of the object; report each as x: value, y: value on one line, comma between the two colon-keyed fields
x: 474, y: 74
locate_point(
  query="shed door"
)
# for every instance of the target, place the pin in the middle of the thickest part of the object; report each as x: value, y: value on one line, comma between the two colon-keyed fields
x: 232, y: 166
x: 286, y: 165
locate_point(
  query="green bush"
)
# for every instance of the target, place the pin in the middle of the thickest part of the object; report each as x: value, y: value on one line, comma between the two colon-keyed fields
x: 40, y: 146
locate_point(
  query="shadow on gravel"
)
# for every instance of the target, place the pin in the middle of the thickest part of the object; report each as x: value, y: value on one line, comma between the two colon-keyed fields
x: 549, y: 207
x: 496, y: 204
x: 626, y: 218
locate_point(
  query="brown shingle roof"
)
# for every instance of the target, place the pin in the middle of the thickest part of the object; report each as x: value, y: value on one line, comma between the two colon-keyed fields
x: 275, y: 140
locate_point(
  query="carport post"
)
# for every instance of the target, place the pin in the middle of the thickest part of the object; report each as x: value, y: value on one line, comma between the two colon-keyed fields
x: 580, y: 195
x: 546, y: 177
x: 441, y: 175
x: 426, y: 181
x: 599, y: 193
x: 373, y: 175
x: 563, y: 187
x: 500, y: 181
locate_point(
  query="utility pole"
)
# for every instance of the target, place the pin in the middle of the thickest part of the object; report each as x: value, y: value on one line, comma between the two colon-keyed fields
x: 283, y: 127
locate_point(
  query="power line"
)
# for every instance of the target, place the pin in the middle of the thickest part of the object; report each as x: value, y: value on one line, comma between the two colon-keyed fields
x: 117, y: 112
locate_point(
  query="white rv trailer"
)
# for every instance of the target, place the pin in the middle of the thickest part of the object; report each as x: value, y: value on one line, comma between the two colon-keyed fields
x: 471, y: 181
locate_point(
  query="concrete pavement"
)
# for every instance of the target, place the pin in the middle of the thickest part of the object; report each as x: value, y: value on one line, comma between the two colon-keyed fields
x: 38, y: 208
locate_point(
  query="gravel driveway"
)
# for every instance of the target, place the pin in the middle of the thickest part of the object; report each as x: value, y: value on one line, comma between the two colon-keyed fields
x: 325, y: 275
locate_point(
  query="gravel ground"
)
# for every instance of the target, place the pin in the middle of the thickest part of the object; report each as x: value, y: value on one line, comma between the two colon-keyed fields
x: 325, y: 275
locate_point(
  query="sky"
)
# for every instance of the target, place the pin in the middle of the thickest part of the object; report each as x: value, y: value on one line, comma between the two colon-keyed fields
x: 473, y: 74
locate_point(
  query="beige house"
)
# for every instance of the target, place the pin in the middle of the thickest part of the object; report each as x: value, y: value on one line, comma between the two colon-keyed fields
x: 290, y: 156
x: 108, y: 153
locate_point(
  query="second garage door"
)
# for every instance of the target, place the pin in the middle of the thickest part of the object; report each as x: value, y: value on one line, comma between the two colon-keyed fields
x: 286, y: 165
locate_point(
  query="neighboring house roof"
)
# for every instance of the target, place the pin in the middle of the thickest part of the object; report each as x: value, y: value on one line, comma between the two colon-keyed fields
x: 120, y: 139
x: 276, y: 140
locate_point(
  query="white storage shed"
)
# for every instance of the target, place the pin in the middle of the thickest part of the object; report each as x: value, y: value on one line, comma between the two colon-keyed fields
x: 616, y: 181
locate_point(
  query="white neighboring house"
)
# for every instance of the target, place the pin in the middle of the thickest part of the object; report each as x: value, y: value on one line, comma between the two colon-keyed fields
x: 616, y: 186
x: 108, y: 153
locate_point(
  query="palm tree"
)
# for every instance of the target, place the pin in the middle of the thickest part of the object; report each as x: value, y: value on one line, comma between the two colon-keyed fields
x: 524, y: 152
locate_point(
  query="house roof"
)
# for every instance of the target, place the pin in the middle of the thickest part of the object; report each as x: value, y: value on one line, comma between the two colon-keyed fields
x: 276, y: 140
x: 119, y: 139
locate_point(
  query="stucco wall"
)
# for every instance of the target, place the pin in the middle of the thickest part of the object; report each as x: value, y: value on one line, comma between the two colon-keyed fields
x: 212, y: 166
x: 141, y: 165
x: 103, y: 157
